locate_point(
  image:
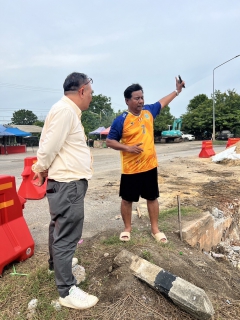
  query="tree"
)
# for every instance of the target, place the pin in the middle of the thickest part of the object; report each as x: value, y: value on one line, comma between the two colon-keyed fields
x: 24, y: 117
x: 198, y: 119
x: 39, y: 123
x: 163, y: 120
x: 227, y: 110
x: 196, y: 101
x: 90, y: 121
x: 99, y: 113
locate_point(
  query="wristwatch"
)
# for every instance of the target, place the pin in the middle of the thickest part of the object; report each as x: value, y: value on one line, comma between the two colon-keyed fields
x: 177, y: 93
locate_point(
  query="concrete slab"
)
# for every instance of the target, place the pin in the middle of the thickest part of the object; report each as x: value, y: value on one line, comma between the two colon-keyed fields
x: 206, y: 231
x: 184, y: 294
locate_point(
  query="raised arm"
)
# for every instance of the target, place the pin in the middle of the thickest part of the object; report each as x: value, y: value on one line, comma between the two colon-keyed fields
x: 167, y: 99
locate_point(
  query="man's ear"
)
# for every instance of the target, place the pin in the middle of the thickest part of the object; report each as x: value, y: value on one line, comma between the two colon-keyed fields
x: 126, y: 101
x: 81, y: 91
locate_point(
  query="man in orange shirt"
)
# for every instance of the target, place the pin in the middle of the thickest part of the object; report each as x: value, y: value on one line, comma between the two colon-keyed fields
x: 132, y: 134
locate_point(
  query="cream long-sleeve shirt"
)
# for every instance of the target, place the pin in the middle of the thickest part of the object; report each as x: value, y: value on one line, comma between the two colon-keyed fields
x: 62, y: 147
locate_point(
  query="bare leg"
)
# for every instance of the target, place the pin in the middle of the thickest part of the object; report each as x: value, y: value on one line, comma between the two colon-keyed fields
x: 153, y: 210
x: 126, y: 212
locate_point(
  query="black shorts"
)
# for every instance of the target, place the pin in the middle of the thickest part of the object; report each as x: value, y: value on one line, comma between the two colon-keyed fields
x: 144, y: 184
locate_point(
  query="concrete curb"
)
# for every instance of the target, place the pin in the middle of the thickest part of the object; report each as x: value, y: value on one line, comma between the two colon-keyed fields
x: 184, y: 294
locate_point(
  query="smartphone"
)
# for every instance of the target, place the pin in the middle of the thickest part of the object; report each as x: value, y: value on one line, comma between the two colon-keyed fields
x: 180, y: 80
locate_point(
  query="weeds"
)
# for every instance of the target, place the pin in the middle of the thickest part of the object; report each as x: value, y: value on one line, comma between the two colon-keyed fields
x: 147, y: 255
x: 185, y: 211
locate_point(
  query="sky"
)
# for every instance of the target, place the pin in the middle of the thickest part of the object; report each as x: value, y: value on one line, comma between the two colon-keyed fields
x: 116, y: 43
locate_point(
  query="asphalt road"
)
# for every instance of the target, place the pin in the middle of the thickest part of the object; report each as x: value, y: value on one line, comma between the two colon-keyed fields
x: 102, y: 203
x: 105, y: 160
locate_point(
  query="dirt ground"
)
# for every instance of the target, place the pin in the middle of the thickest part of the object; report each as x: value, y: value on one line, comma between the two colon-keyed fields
x: 201, y: 185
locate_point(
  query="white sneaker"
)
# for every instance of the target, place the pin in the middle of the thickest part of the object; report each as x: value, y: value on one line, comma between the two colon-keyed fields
x: 74, y: 263
x: 78, y: 299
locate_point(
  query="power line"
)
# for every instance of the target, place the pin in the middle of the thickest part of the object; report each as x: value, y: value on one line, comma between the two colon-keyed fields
x: 6, y: 85
x: 26, y: 108
x: 25, y: 87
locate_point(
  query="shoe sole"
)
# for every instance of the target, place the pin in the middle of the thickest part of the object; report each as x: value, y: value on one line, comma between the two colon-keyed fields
x: 68, y: 305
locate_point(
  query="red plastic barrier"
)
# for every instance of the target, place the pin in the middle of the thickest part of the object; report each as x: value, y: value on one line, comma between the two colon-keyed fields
x: 16, y: 242
x: 207, y: 150
x: 27, y: 189
x: 232, y: 141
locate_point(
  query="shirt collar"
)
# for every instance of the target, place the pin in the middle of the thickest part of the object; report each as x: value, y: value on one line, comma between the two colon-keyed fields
x: 72, y: 104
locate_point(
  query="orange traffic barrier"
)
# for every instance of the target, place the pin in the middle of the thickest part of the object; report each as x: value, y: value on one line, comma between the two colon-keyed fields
x: 207, y: 150
x: 232, y: 141
x: 28, y: 190
x: 16, y: 242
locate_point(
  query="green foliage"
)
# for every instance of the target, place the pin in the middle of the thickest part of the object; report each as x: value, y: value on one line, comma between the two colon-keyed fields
x: 90, y: 121
x: 39, y: 123
x: 227, y: 111
x: 185, y: 211
x: 196, y: 101
x: 163, y: 120
x: 199, y: 117
x: 147, y: 255
x: 113, y: 240
x: 99, y: 113
x: 24, y: 117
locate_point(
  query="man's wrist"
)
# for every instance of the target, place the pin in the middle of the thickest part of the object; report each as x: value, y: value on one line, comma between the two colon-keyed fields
x: 177, y: 92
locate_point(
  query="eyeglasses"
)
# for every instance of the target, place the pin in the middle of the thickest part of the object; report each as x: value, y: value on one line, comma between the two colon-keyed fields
x: 90, y: 80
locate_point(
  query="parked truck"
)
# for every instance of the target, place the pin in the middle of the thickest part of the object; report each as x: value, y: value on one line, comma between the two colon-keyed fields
x: 224, y: 135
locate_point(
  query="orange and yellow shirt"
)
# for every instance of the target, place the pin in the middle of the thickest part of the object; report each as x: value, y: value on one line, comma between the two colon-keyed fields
x: 131, y: 130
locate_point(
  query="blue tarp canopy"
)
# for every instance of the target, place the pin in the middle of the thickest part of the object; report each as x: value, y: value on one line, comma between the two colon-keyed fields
x: 3, y: 131
x: 18, y: 133
x: 97, y: 131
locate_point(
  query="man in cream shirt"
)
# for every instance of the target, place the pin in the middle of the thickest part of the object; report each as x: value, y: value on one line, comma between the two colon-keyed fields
x: 65, y: 158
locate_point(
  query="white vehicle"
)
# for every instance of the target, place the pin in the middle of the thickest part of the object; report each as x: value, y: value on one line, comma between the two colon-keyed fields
x: 188, y: 137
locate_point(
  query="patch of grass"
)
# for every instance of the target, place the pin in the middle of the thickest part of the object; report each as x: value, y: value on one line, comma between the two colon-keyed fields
x: 19, y: 291
x: 164, y: 226
x: 84, y: 285
x: 135, y: 231
x: 219, y: 142
x: 113, y: 240
x: 185, y: 211
x: 147, y: 255
x: 4, y: 293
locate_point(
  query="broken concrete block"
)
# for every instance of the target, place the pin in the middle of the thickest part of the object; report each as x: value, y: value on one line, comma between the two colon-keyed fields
x: 184, y: 294
x: 206, y: 231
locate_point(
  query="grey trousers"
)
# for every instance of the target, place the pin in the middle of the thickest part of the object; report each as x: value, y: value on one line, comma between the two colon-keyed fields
x: 66, y: 205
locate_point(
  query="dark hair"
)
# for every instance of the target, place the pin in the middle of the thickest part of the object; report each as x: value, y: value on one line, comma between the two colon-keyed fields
x: 74, y: 81
x: 134, y: 87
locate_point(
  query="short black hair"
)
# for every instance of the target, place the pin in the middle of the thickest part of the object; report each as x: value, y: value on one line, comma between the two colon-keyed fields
x: 134, y: 87
x: 74, y: 81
